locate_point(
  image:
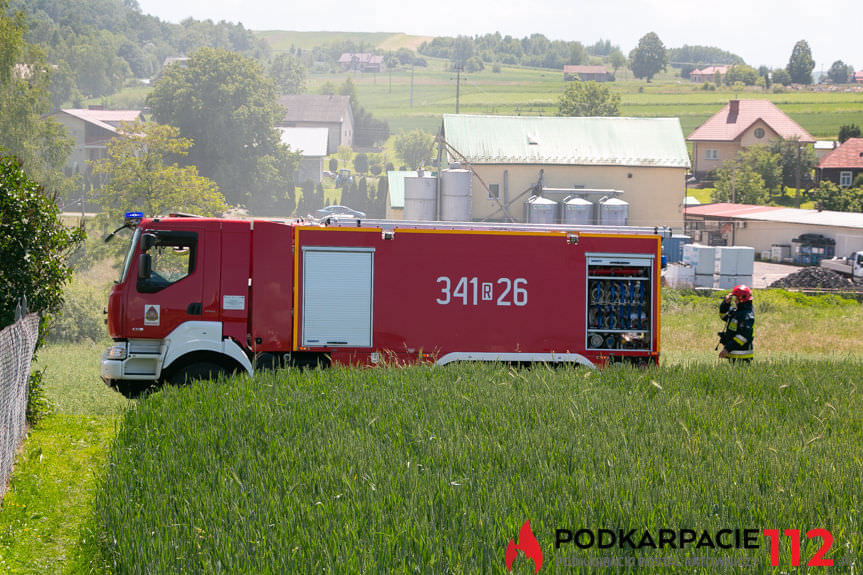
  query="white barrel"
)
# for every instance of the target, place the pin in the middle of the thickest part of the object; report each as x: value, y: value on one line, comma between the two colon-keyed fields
x: 541, y: 210
x: 613, y: 212
x: 456, y: 196
x: 420, y: 197
x: 577, y: 211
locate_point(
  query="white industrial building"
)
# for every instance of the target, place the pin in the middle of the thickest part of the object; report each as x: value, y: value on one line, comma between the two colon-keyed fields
x: 763, y: 227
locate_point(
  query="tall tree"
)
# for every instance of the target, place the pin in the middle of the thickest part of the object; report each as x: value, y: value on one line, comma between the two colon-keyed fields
x: 227, y: 106
x: 143, y: 175
x: 39, y: 142
x: 649, y: 57
x: 288, y: 73
x: 414, y: 147
x: 801, y: 64
x: 839, y: 72
x: 588, y: 99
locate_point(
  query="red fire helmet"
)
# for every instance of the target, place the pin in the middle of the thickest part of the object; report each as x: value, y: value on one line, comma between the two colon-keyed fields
x: 742, y: 293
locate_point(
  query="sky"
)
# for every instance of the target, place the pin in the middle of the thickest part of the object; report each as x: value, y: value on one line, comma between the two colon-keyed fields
x: 762, y: 32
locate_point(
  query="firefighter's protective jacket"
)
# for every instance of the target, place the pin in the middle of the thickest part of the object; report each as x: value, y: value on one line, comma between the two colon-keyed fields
x: 738, y: 336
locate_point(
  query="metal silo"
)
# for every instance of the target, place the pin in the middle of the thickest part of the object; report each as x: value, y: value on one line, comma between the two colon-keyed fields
x: 613, y: 212
x: 541, y: 210
x: 577, y: 211
x: 456, y: 196
x: 420, y: 197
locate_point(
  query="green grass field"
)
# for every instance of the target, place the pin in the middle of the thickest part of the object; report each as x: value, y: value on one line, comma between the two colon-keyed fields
x: 433, y: 470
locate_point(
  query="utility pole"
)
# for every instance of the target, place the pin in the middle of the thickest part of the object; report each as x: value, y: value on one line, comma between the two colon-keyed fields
x: 458, y: 69
x: 797, y: 178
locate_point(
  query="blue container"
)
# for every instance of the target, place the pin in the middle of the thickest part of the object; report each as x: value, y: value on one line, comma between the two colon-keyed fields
x: 673, y: 247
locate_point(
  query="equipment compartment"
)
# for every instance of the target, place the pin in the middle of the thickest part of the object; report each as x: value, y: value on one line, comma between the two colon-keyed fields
x: 619, y: 303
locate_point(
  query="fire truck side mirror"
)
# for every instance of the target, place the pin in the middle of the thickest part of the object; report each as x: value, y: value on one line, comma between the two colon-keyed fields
x: 145, y: 266
x: 147, y: 242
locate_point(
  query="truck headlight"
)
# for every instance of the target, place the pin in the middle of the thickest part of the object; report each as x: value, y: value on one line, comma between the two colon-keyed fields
x: 116, y: 352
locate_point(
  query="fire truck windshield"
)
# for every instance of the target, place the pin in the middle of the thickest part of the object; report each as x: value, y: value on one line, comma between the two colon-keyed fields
x: 128, y: 261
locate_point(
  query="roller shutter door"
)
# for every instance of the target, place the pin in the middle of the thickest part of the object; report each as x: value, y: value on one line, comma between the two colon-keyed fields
x: 337, y: 297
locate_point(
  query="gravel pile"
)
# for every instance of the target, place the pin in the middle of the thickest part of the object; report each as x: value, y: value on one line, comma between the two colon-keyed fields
x: 814, y: 277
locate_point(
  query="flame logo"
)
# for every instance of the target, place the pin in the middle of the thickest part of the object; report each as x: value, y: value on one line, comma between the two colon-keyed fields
x: 527, y: 544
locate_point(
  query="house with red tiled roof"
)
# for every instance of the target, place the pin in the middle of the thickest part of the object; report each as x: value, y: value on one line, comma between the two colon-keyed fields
x: 858, y: 77
x: 91, y: 129
x: 587, y: 73
x: 740, y: 124
x: 708, y: 74
x: 843, y: 164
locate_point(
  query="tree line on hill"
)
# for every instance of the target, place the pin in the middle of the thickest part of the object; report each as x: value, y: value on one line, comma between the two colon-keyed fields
x: 95, y: 46
x: 535, y: 50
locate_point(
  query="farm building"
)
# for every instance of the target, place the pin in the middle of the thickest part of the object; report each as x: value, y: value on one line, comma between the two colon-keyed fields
x: 320, y: 111
x: 312, y: 145
x: 516, y: 156
x: 587, y: 73
x: 843, y: 164
x: 762, y: 227
x: 91, y: 130
x: 858, y: 77
x: 708, y: 74
x: 740, y: 124
x: 396, y: 193
x: 362, y: 62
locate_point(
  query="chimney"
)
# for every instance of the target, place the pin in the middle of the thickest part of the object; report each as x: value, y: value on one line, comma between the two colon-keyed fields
x: 95, y: 107
x: 733, y: 107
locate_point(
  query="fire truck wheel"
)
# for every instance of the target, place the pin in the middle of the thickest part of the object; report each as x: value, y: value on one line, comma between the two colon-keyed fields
x: 197, y: 370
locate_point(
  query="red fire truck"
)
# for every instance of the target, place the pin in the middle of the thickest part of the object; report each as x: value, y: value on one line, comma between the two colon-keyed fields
x: 201, y: 296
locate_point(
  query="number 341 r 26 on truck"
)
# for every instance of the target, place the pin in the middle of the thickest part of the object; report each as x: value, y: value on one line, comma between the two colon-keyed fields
x: 202, y: 296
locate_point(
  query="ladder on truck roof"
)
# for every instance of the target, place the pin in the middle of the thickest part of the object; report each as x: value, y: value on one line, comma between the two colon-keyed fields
x: 388, y: 225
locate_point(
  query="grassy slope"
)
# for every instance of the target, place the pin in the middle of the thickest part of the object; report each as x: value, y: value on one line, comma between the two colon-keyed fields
x: 45, y: 521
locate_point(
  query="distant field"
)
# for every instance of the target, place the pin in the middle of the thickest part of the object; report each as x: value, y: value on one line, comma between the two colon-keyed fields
x: 529, y: 91
x: 535, y: 91
x: 281, y: 40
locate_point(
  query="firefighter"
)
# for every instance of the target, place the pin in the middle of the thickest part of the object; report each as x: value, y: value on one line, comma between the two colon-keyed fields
x: 739, y: 325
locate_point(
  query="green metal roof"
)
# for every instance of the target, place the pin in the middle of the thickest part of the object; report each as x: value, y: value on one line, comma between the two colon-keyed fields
x: 396, y: 182
x: 563, y: 140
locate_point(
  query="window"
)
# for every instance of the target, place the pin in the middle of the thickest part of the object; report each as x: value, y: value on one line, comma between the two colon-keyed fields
x: 711, y: 154
x: 759, y: 133
x: 845, y: 179
x: 493, y: 191
x: 172, y: 258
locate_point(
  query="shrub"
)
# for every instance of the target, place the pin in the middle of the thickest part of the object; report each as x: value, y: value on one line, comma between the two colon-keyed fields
x: 81, y: 317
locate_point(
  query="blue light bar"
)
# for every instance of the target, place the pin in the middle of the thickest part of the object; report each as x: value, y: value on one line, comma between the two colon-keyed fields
x: 133, y: 218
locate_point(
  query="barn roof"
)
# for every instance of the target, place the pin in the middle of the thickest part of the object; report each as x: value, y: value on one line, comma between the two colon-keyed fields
x: 632, y: 142
x: 311, y: 142
x: 315, y: 107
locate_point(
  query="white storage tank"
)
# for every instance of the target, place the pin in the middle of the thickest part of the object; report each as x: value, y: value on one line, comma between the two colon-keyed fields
x: 613, y: 212
x: 420, y: 197
x: 456, y: 195
x: 541, y: 210
x: 577, y: 211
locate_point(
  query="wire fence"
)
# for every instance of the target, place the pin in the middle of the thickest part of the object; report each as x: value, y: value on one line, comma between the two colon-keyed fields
x: 17, y: 344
